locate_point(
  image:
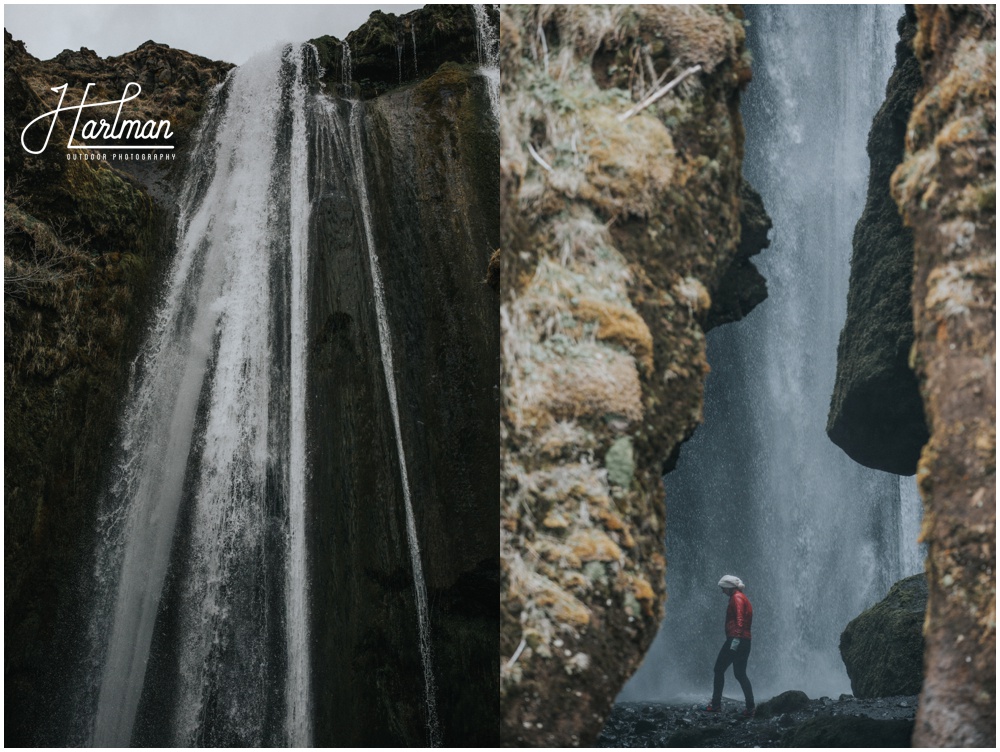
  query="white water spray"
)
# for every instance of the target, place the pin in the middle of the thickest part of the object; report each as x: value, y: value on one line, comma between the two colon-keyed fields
x: 211, y: 425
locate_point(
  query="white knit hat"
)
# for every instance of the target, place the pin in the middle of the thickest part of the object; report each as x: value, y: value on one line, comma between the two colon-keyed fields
x: 731, y: 581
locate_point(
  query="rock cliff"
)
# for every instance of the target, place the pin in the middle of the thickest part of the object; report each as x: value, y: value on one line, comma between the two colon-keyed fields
x: 946, y: 191
x: 618, y: 233
x: 431, y: 154
x: 83, y: 245
x: 876, y: 415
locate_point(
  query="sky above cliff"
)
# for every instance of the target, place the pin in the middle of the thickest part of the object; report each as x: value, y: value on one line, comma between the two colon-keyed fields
x: 221, y: 32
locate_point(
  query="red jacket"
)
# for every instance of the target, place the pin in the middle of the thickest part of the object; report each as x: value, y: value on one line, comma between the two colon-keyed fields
x: 739, y: 615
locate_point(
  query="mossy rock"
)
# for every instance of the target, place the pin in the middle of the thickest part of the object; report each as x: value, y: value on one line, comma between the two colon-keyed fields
x: 849, y: 731
x: 620, y: 462
x: 883, y: 648
x: 786, y: 702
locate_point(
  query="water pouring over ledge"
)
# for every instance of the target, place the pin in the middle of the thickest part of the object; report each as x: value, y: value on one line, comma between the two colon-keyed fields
x: 210, y: 476
x: 760, y: 491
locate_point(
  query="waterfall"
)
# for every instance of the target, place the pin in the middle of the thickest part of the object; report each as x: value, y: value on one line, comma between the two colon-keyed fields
x: 413, y: 36
x: 297, y: 685
x: 488, y: 48
x: 760, y: 491
x: 210, y: 473
x: 346, y: 67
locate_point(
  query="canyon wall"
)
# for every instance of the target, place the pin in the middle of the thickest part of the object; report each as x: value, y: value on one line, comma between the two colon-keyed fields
x: 946, y: 192
x: 619, y: 231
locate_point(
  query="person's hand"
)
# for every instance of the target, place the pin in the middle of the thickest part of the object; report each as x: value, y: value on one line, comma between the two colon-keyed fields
x: 735, y: 643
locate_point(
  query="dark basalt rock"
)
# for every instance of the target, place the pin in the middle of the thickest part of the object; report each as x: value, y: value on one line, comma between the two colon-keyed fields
x: 876, y: 413
x: 883, y: 648
x: 382, y: 51
x: 845, y: 731
x: 429, y: 149
x: 743, y: 287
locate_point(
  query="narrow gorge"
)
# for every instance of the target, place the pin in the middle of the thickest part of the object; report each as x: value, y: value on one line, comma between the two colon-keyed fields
x: 819, y: 442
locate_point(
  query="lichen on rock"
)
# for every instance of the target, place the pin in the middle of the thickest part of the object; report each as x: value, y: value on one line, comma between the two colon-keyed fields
x: 617, y: 232
x: 946, y: 191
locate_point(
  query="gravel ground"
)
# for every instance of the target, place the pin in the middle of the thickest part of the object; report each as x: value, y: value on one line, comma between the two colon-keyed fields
x: 656, y: 725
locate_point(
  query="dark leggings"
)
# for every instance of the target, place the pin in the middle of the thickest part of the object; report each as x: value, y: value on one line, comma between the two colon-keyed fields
x: 738, y: 658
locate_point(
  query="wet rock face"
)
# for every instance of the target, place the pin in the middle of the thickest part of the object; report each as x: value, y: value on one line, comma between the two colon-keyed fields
x: 83, y: 245
x: 430, y: 152
x: 883, y: 648
x: 876, y: 414
x: 946, y: 190
x: 616, y: 236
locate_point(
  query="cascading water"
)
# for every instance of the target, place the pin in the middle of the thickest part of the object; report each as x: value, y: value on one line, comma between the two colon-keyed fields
x: 211, y: 473
x: 760, y: 491
x: 488, y: 47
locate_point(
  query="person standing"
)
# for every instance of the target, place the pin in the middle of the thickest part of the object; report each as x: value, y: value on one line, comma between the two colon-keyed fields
x: 736, y: 649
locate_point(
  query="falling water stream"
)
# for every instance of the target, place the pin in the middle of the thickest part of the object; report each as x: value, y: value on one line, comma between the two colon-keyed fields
x: 761, y: 491
x: 488, y: 48
x: 210, y: 427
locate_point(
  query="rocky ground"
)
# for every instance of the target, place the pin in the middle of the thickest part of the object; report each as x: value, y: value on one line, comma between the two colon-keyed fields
x: 847, y: 721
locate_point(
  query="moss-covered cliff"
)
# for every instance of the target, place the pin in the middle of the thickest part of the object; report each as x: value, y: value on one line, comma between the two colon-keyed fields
x: 617, y: 234
x: 83, y: 241
x: 876, y: 415
x: 946, y: 191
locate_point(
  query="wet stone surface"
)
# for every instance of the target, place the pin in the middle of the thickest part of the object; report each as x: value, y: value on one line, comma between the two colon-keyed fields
x: 657, y: 725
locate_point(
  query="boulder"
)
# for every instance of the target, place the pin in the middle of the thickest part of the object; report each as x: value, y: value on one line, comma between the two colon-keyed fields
x: 876, y: 415
x: 883, y: 648
x: 786, y: 702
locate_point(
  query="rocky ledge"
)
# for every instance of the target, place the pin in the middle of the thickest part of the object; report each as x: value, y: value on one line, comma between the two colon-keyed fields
x: 789, y: 720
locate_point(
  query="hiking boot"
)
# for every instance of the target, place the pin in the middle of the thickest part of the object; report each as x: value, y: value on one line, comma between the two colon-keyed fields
x: 749, y: 712
x: 712, y: 708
